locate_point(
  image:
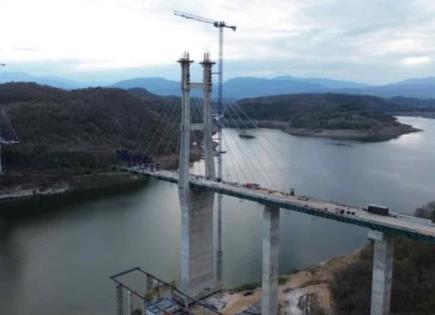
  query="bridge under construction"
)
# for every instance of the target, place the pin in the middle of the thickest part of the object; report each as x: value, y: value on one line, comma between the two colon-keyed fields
x: 196, y: 194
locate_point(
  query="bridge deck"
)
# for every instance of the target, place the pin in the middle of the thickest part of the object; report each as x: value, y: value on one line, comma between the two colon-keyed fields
x: 396, y: 224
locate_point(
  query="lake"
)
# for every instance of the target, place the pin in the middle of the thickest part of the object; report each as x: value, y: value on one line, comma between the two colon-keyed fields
x: 58, y: 259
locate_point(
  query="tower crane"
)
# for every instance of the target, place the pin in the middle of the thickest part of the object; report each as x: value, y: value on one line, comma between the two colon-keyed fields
x: 220, y: 25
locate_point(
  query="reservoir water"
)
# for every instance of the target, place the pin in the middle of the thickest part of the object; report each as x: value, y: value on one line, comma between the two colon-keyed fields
x: 57, y: 260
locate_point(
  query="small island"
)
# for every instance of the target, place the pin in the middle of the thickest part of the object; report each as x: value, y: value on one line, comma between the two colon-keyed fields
x: 335, y: 116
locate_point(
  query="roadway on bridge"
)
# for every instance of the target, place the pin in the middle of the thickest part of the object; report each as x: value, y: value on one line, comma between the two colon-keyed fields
x: 396, y: 224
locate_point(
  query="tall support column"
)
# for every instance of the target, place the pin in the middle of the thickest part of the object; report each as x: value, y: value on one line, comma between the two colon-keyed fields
x: 208, y: 132
x: 129, y: 303
x: 197, y: 267
x: 1, y: 162
x: 183, y: 183
x: 269, y: 301
x: 383, y: 250
x: 119, y: 300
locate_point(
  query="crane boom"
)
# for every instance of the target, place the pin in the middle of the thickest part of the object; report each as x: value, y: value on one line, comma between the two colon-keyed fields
x: 220, y: 25
x: 204, y: 20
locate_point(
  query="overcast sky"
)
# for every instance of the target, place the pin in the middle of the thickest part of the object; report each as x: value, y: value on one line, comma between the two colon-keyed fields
x: 372, y: 41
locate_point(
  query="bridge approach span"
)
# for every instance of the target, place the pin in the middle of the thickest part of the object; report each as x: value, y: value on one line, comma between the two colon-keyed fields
x: 393, y: 224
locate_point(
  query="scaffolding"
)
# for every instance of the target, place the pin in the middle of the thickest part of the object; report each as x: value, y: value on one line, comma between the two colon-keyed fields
x: 155, y: 297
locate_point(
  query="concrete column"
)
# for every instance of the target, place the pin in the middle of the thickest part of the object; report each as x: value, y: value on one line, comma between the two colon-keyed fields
x: 383, y: 250
x: 129, y: 303
x: 269, y: 301
x: 183, y: 182
x: 208, y: 133
x: 119, y: 300
x: 197, y: 266
x: 197, y: 253
x: 1, y: 164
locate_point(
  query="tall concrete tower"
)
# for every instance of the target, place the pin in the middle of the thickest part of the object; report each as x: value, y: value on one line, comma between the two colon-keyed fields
x: 197, y: 252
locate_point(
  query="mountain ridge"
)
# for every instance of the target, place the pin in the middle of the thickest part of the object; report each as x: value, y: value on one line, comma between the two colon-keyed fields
x: 248, y: 86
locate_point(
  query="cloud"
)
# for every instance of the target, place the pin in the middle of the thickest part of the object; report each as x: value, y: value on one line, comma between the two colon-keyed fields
x: 335, y: 38
x: 416, y: 61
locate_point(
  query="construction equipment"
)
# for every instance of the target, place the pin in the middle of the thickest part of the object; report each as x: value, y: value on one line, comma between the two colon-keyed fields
x: 220, y: 25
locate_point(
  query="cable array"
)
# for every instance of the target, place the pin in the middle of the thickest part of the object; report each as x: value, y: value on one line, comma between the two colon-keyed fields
x: 245, y: 160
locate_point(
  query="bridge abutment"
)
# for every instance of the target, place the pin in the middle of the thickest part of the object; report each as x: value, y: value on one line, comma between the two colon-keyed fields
x: 269, y: 301
x: 383, y: 250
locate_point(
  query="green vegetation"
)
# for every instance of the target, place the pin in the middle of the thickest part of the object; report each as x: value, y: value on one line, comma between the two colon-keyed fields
x: 413, y: 281
x: 65, y: 134
x: 358, y: 117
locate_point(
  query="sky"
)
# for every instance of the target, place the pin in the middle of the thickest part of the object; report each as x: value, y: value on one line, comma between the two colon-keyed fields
x: 370, y: 41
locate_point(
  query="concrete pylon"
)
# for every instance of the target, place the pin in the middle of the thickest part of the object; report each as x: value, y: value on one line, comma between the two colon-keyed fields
x: 383, y: 250
x: 1, y: 162
x: 269, y: 300
x: 197, y: 252
x: 207, y: 112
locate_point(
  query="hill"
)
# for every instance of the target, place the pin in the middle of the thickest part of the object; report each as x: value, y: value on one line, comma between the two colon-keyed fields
x: 326, y: 83
x: 67, y: 135
x: 9, y: 77
x: 339, y: 116
x: 423, y: 88
x: 158, y: 86
x: 244, y: 87
x: 413, y: 280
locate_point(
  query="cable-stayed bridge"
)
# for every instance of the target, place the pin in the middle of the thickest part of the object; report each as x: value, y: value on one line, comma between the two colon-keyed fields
x: 192, y: 123
x: 394, y: 223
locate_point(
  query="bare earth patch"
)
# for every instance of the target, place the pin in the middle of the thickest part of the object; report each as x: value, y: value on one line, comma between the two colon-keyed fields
x: 297, y: 293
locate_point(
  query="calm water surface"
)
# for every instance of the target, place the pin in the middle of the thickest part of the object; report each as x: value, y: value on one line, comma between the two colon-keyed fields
x: 57, y: 261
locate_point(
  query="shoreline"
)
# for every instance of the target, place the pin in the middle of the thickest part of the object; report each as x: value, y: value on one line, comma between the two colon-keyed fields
x: 371, y: 135
x: 98, y: 182
x: 352, y: 134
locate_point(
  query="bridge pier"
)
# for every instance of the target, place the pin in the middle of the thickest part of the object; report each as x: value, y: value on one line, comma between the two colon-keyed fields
x: 269, y: 301
x: 197, y: 250
x: 383, y: 249
x: 1, y: 162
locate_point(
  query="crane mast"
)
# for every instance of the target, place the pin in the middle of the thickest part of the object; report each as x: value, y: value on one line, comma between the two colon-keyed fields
x: 219, y: 115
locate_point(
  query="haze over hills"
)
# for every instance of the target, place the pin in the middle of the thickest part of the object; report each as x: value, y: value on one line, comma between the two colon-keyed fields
x: 57, y: 82
x: 242, y: 87
x: 418, y: 88
x: 155, y: 85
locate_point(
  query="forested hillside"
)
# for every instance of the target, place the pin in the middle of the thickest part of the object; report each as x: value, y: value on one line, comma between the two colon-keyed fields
x: 365, y: 118
x: 70, y: 133
x: 413, y: 285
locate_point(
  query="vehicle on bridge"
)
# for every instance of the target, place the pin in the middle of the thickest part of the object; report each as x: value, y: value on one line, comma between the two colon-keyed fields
x: 375, y: 209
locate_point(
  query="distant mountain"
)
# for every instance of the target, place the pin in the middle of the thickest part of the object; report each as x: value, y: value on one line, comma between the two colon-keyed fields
x: 158, y: 86
x: 7, y: 77
x: 326, y: 83
x: 243, y: 87
x: 234, y: 88
x: 252, y: 87
x: 418, y: 88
